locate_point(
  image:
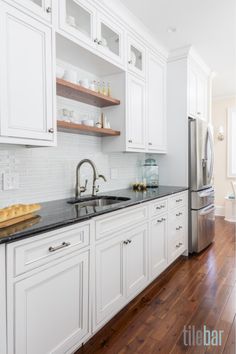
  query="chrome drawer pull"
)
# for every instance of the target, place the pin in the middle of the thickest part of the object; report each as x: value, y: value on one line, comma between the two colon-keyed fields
x: 158, y: 208
x: 179, y: 228
x: 179, y: 200
x: 179, y: 214
x: 125, y: 242
x: 177, y: 246
x: 63, y: 245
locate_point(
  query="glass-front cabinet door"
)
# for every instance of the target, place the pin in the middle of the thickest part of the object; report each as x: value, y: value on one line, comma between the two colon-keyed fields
x: 77, y: 17
x: 43, y: 8
x: 136, y: 57
x: 110, y: 39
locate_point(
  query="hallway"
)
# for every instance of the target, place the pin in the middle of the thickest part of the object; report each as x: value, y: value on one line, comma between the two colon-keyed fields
x: 197, y: 291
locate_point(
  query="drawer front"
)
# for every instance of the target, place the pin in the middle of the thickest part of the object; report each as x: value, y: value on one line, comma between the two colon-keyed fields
x: 29, y: 255
x: 158, y: 207
x: 178, y: 200
x: 107, y: 225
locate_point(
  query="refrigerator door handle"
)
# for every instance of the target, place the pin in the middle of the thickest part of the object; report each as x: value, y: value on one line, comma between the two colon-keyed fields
x: 209, y: 159
x: 207, y: 210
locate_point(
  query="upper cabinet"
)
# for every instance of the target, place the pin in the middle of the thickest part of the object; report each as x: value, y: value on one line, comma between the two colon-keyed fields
x: 26, y: 88
x: 136, y: 113
x: 156, y: 105
x: 82, y: 22
x: 42, y: 8
x: 136, y: 57
x: 78, y: 18
x: 198, y: 92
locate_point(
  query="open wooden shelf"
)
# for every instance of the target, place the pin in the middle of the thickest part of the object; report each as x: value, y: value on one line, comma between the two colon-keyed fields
x: 79, y: 93
x: 84, y: 129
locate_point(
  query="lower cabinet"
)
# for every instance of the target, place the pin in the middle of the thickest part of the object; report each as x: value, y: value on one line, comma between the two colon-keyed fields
x: 158, y: 237
x: 49, y: 310
x: 177, y: 235
x: 121, y: 271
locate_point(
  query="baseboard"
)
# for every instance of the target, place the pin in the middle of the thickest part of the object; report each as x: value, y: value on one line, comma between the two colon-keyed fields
x: 220, y: 210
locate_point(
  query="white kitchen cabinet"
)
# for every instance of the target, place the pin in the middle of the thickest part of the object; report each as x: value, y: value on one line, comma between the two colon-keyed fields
x: 136, y: 114
x: 78, y: 18
x: 110, y: 38
x: 158, y: 238
x: 49, y: 310
x: 83, y: 21
x: 109, y: 278
x: 121, y: 271
x: 136, y: 57
x: 41, y: 8
x: 3, y: 301
x: 135, y: 258
x: 198, y: 93
x: 177, y: 234
x: 26, y: 88
x: 156, y: 105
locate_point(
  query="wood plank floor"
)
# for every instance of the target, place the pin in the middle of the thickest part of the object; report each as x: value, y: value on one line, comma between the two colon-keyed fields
x: 195, y: 291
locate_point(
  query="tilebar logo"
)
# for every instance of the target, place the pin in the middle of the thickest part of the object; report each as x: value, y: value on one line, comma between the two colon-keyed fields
x: 202, y: 337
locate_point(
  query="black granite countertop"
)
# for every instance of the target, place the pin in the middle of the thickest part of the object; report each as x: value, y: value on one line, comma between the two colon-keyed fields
x: 59, y: 213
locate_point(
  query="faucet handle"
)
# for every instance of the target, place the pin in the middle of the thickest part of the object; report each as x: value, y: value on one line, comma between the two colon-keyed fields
x: 103, y: 177
x: 83, y: 189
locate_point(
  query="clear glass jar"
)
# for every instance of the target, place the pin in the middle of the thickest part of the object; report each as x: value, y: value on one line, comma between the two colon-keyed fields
x: 150, y: 173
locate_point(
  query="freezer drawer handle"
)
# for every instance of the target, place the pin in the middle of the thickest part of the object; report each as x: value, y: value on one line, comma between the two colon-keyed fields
x: 207, y: 210
x: 63, y: 245
x: 206, y: 194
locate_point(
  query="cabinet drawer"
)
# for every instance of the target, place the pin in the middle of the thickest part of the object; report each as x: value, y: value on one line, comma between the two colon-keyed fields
x: 107, y: 225
x: 178, y: 200
x: 158, y: 207
x: 27, y: 255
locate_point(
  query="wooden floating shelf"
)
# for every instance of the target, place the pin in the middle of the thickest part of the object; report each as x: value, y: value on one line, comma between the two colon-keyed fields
x: 80, y: 93
x: 85, y: 129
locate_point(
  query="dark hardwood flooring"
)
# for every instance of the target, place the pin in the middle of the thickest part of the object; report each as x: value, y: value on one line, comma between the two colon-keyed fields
x: 195, y: 291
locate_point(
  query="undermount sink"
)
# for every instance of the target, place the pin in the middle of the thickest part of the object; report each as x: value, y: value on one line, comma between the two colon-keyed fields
x: 97, y: 201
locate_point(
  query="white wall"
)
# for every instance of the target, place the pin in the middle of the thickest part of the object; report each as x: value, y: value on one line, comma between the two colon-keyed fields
x: 49, y: 173
x: 221, y: 181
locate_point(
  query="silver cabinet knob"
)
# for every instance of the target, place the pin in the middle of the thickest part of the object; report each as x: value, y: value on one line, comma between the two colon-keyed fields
x: 126, y: 242
x: 49, y: 10
x: 51, y: 130
x: 150, y: 144
x: 130, y: 62
x: 99, y: 42
x: 198, y: 113
x: 95, y: 40
x: 130, y: 141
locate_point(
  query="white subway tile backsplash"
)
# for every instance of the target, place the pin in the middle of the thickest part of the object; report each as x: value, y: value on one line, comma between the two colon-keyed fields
x: 49, y: 173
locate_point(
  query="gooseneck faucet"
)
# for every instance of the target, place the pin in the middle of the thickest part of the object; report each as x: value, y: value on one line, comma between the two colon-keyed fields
x: 81, y: 189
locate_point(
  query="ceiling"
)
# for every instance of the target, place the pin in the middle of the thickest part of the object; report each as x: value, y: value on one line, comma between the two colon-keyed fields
x: 208, y: 25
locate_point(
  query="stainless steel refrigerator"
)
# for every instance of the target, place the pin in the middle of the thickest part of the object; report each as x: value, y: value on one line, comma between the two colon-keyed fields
x: 201, y: 194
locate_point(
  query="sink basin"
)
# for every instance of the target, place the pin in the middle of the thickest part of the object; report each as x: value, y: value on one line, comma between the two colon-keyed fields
x: 100, y: 201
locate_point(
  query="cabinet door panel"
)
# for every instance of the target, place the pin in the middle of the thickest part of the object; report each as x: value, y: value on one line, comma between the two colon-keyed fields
x: 51, y: 309
x: 136, y: 113
x: 136, y: 57
x: 156, y: 105
x: 110, y: 39
x: 26, y: 68
x: 109, y: 278
x: 192, y: 93
x: 136, y: 260
x: 158, y: 245
x: 43, y: 8
x: 78, y: 19
x: 202, y: 97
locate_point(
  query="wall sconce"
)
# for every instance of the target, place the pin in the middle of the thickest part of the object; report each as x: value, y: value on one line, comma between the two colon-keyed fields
x: 220, y: 133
